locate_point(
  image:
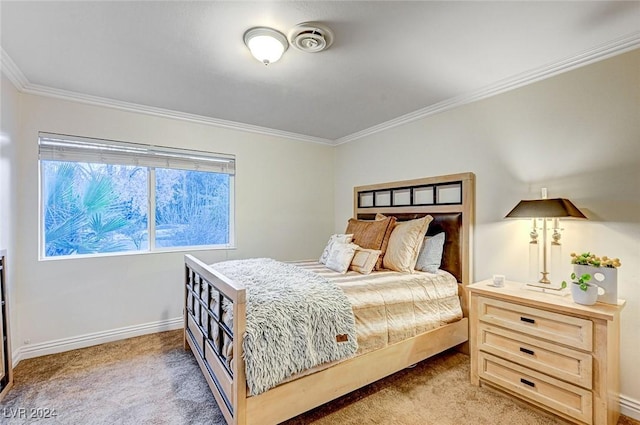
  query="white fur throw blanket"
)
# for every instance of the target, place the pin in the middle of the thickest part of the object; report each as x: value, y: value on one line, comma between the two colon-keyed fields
x: 296, y: 320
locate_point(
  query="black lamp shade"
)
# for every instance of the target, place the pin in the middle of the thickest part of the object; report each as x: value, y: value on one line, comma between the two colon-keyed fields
x: 545, y: 208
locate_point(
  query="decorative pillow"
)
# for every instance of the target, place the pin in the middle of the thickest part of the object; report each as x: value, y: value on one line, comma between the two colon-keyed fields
x: 385, y: 241
x: 340, y: 256
x: 372, y: 234
x: 405, y: 243
x: 430, y: 256
x: 338, y: 237
x: 365, y: 260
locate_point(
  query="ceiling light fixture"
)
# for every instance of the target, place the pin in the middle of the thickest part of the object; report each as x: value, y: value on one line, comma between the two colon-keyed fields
x: 266, y: 44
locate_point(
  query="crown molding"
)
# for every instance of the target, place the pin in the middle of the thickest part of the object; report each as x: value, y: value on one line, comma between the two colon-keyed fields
x: 11, y: 70
x: 166, y: 113
x: 612, y: 48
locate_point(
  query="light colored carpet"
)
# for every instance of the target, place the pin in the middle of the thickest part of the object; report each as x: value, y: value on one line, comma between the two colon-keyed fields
x: 152, y: 380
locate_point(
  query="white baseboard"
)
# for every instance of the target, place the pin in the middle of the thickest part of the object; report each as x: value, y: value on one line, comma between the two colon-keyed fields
x: 87, y: 340
x: 630, y: 407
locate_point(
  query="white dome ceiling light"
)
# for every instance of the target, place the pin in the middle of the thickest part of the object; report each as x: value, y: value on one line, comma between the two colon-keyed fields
x: 266, y: 44
x: 311, y: 37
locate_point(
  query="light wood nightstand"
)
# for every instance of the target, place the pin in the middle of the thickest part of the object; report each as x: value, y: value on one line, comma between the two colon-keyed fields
x: 547, y: 350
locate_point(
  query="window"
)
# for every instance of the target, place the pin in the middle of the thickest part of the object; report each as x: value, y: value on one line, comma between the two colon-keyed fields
x: 100, y: 197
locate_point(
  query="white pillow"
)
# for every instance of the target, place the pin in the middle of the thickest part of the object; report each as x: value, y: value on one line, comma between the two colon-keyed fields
x: 338, y: 237
x: 340, y: 256
x: 365, y: 260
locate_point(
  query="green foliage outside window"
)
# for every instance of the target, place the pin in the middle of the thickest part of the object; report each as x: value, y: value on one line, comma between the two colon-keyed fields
x: 103, y: 208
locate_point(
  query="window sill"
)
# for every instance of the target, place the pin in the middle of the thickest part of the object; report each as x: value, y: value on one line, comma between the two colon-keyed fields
x: 184, y: 250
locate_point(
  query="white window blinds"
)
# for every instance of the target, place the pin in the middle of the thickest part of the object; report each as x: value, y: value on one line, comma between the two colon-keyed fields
x: 57, y: 147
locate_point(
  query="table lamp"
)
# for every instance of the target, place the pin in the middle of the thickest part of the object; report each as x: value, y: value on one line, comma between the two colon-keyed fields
x: 545, y: 209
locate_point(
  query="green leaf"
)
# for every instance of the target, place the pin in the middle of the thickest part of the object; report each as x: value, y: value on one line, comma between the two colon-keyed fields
x: 98, y: 194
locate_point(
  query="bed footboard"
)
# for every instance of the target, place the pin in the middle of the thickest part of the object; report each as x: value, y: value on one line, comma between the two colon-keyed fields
x: 215, y: 337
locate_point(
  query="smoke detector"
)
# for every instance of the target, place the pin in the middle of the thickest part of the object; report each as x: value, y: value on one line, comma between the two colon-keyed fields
x: 311, y: 37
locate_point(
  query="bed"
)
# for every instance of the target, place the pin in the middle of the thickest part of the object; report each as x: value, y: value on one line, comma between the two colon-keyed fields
x: 216, y: 342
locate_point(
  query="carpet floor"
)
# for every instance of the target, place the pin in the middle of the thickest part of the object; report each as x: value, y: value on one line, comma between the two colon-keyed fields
x: 152, y: 380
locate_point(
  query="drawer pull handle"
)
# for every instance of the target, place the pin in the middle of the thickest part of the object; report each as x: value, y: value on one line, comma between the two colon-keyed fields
x: 527, y: 351
x: 526, y: 319
x: 529, y: 383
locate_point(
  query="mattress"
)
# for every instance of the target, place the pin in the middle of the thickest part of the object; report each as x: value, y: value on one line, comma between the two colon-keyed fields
x: 390, y: 307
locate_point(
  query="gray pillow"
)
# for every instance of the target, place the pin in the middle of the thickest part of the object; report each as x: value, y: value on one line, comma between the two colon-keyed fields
x: 430, y: 256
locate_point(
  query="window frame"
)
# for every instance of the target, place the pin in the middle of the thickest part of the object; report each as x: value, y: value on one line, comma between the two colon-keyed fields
x: 151, y: 197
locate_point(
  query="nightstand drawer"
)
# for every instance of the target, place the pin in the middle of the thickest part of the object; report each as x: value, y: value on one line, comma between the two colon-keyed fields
x: 560, y: 328
x: 560, y: 396
x: 557, y: 361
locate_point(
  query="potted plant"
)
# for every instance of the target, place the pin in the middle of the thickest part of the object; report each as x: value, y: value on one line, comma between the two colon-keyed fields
x: 591, y: 272
x: 582, y: 291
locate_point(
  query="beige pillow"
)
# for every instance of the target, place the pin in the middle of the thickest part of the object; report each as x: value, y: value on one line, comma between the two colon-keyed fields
x: 364, y: 260
x: 340, y: 256
x: 405, y: 243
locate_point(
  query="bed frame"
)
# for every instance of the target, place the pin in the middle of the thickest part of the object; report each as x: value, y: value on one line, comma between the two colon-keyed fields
x: 449, y: 199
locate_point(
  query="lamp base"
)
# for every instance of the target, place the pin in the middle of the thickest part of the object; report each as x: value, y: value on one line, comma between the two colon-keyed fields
x: 548, y: 288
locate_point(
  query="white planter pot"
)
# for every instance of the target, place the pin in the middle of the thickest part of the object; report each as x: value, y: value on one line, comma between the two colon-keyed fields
x: 605, y: 277
x: 588, y: 297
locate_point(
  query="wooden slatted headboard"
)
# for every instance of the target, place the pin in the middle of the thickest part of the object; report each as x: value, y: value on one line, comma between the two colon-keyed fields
x: 449, y: 199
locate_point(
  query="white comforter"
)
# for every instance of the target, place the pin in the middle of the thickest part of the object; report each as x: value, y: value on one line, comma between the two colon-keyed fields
x: 295, y: 320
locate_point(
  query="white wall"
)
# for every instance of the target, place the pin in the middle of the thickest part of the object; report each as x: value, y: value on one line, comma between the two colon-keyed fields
x: 578, y: 134
x: 284, y: 209
x: 9, y: 125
